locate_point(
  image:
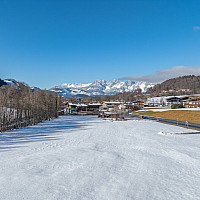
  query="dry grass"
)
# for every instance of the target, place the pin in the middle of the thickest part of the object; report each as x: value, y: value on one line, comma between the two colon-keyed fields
x: 181, y: 115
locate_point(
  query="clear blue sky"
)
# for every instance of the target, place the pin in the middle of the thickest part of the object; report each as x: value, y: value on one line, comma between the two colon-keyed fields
x: 48, y: 42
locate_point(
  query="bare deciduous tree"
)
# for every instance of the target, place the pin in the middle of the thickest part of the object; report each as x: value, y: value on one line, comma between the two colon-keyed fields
x: 21, y: 106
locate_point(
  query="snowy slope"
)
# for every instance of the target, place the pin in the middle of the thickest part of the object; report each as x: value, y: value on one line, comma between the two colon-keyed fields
x: 7, y: 82
x: 10, y: 81
x: 100, y: 87
x: 87, y: 158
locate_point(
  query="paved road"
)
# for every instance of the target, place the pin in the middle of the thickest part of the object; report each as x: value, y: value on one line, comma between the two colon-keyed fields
x: 170, y: 121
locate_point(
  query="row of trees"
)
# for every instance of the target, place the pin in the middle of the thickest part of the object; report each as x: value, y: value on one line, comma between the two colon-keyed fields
x: 21, y: 106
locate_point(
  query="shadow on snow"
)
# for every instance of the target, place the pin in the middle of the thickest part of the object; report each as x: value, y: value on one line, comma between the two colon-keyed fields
x: 49, y: 130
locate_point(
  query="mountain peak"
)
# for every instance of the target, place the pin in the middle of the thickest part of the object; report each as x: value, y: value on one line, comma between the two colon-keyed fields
x: 116, y: 81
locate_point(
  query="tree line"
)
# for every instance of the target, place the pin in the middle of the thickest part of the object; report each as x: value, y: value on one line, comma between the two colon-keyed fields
x: 122, y: 96
x: 21, y: 106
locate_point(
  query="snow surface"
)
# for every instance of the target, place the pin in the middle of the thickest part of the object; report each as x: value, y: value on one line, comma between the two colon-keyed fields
x: 75, y: 157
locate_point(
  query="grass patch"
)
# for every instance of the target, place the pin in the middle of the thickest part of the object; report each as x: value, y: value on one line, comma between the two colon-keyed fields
x: 180, y: 115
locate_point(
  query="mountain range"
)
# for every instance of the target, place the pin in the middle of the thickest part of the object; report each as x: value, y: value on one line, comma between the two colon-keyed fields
x: 100, y: 88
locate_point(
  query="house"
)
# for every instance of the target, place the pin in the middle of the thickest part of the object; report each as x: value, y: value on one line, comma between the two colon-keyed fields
x: 114, y: 110
x: 93, y: 108
x: 164, y: 91
x: 129, y: 106
x: 70, y: 108
x: 138, y: 103
x: 184, y: 90
x: 172, y: 90
x: 111, y: 103
x: 155, y: 102
x: 112, y: 115
x: 122, y: 106
x: 74, y: 108
x: 172, y: 100
x: 82, y: 108
x: 177, y: 100
x: 193, y: 103
x: 116, y: 105
x: 109, y: 106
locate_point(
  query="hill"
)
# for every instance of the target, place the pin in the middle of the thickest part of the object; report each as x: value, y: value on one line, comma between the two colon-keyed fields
x: 185, y: 83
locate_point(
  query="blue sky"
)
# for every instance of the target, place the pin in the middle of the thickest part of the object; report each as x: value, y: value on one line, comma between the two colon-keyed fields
x: 46, y: 43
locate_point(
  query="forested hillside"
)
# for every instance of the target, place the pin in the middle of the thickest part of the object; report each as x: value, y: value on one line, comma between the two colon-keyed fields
x: 21, y: 106
x: 185, y: 82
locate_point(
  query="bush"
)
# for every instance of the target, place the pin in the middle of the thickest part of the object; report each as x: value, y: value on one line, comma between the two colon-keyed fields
x: 176, y: 106
x: 135, y: 108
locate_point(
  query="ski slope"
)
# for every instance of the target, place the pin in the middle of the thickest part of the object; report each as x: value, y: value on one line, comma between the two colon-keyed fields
x: 87, y: 158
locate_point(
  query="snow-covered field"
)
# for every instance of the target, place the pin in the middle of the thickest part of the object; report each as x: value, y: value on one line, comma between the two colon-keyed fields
x: 88, y: 158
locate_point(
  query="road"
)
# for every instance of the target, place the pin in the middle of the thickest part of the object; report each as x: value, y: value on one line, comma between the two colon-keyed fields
x: 170, y: 121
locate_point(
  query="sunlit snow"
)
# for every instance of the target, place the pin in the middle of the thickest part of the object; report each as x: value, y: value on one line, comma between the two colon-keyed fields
x: 87, y: 158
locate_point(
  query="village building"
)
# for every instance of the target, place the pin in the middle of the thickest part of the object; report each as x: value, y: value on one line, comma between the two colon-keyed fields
x: 116, y: 110
x: 129, y: 106
x: 184, y: 90
x: 74, y: 108
x: 166, y: 101
x: 116, y: 105
x: 172, y: 100
x: 82, y: 108
x: 154, y: 102
x: 93, y: 108
x: 122, y: 107
x: 164, y: 91
x: 110, y: 106
x: 193, y: 103
x: 112, y: 115
x: 111, y: 103
x: 172, y: 90
x: 138, y: 104
x: 112, y: 110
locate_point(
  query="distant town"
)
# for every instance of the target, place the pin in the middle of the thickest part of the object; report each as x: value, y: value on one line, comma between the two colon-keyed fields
x: 22, y: 105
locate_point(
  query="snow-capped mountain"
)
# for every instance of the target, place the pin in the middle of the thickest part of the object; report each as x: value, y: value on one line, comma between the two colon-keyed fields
x: 10, y: 81
x: 7, y: 82
x: 100, y: 87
